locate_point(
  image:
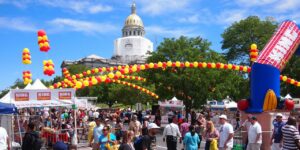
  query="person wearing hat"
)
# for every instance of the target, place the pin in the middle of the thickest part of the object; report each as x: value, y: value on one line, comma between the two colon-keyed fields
x: 254, y: 135
x: 276, y: 138
x: 149, y: 141
x: 226, y: 134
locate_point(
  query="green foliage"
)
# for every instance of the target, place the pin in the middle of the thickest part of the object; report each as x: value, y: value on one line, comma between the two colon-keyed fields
x: 291, y: 70
x: 194, y: 86
x: 240, y: 35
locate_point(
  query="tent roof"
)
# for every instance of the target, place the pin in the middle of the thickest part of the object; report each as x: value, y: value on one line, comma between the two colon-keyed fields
x: 288, y: 96
x: 28, y: 86
x: 38, y: 85
x: 7, y: 108
x: 174, y: 99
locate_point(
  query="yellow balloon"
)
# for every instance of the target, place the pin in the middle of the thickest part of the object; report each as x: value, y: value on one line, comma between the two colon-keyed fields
x: 81, y: 75
x: 40, y: 38
x: 26, y: 50
x: 298, y: 84
x: 222, y: 66
x: 245, y: 69
x: 159, y: 64
x: 111, y: 69
x: 51, y: 87
x: 111, y: 75
x: 46, y: 44
x: 284, y: 78
x: 237, y: 67
x: 134, y: 69
x: 119, y: 67
x: 195, y: 64
x: 229, y: 66
x: 253, y: 46
x: 177, y: 64
x: 151, y: 65
x: 213, y: 65
x: 126, y: 66
x: 94, y: 81
x: 86, y: 83
x: 73, y: 77
x: 66, y: 80
x: 126, y: 70
x: 103, y: 69
x: 187, y: 64
x: 78, y: 84
x: 118, y: 73
x: 169, y: 63
x: 292, y: 81
x: 96, y: 70
x: 45, y: 37
x: 88, y: 72
x: 103, y: 78
x: 204, y: 64
x: 142, y: 67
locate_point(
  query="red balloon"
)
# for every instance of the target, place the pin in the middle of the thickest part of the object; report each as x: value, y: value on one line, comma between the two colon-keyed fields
x: 155, y: 66
x: 209, y: 65
x: 65, y: 69
x: 241, y: 68
x: 289, y: 104
x: 182, y: 65
x: 191, y: 65
x: 243, y: 104
x: 200, y: 65
x: 164, y: 64
x: 225, y: 66
x: 218, y: 65
x: 41, y: 33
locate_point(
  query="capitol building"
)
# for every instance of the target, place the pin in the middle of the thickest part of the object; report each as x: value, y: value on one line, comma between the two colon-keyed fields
x: 131, y: 48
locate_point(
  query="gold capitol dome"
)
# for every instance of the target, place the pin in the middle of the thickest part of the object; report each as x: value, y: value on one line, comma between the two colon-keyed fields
x: 133, y: 19
x: 133, y: 24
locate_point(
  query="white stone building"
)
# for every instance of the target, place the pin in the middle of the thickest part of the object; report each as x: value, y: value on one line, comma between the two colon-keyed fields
x: 131, y: 48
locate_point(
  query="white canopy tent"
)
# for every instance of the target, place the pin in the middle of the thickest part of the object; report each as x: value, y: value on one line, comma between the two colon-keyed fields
x: 170, y: 105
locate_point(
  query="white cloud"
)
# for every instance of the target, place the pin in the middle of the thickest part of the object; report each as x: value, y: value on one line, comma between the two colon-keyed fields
x: 230, y: 16
x: 190, y: 19
x: 65, y: 24
x: 20, y: 4
x: 157, y: 7
x: 251, y: 3
x: 168, y: 32
x: 20, y: 24
x: 78, y: 6
x: 286, y: 6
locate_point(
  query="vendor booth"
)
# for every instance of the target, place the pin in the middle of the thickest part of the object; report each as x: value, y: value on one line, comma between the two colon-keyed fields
x: 168, y: 106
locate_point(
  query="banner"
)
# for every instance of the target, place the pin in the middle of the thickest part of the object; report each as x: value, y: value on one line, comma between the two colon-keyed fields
x: 42, y: 98
x: 282, y: 46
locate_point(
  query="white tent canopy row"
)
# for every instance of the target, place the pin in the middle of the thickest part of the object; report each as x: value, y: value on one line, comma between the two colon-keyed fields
x: 38, y: 95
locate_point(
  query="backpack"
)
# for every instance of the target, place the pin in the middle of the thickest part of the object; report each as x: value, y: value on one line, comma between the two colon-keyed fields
x: 138, y: 143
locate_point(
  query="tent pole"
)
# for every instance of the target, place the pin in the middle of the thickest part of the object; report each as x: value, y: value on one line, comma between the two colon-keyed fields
x: 21, y: 139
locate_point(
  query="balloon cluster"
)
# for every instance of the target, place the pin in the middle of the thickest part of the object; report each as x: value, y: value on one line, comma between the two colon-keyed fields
x: 43, y: 41
x: 26, y: 58
x: 289, y: 80
x: 253, y: 52
x: 48, y: 67
x: 27, y: 77
x: 66, y: 72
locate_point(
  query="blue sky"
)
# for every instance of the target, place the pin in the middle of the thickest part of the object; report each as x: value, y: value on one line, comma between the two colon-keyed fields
x: 80, y: 28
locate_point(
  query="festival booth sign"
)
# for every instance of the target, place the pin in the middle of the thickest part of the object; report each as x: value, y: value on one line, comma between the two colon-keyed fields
x: 170, y: 105
x: 24, y: 98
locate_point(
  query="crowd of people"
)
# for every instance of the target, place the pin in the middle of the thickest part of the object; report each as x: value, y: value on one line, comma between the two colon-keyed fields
x: 128, y: 130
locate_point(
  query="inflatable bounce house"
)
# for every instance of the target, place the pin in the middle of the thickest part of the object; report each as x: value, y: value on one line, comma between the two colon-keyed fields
x: 265, y: 100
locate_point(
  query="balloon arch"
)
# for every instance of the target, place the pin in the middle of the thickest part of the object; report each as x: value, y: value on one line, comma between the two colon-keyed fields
x: 100, y: 75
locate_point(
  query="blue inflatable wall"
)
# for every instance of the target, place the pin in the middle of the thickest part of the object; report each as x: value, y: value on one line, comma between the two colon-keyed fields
x: 263, y: 78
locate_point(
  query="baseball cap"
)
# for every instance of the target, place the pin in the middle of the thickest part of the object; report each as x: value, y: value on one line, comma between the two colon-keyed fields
x: 253, y: 118
x: 153, y: 126
x: 279, y: 115
x: 223, y: 117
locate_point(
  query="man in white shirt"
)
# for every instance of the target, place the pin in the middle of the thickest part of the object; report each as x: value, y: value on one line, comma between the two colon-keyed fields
x: 96, y: 134
x: 4, y: 140
x: 254, y: 135
x: 171, y: 132
x: 226, y: 134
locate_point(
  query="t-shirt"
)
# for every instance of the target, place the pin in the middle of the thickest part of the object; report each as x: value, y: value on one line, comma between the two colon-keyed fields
x: 126, y: 147
x: 103, y: 140
x: 290, y: 134
x: 277, y: 131
x: 149, y: 142
x: 3, y: 138
x: 97, y: 132
x: 254, y: 129
x: 225, y: 130
x: 246, y: 124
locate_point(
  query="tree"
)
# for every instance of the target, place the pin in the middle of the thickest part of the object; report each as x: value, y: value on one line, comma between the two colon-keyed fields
x: 193, y: 86
x: 240, y: 35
